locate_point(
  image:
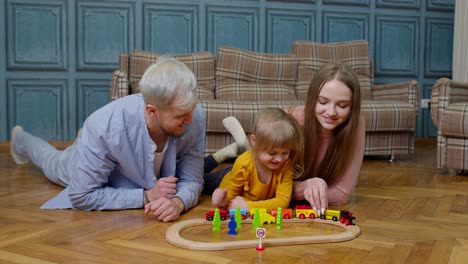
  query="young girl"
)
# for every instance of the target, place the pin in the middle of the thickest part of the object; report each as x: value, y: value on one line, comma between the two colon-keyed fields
x: 263, y: 176
x: 334, y: 137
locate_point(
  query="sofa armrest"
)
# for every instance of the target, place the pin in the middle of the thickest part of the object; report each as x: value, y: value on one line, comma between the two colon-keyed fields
x: 119, y: 85
x: 444, y: 93
x: 407, y: 91
x: 458, y: 92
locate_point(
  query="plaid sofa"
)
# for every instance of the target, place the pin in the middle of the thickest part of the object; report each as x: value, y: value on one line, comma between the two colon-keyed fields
x: 240, y: 83
x: 449, y: 111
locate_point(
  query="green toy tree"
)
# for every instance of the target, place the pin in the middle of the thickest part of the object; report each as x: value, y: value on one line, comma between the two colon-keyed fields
x: 238, y: 218
x: 257, y: 222
x: 216, y: 221
x: 279, y: 219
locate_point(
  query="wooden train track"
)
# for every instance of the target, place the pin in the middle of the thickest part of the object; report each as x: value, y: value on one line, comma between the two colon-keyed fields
x: 173, y: 236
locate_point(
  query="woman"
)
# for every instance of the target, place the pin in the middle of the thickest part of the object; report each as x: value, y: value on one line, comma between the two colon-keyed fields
x: 334, y: 138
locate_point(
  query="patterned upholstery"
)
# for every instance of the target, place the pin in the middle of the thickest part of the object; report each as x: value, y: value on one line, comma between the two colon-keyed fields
x: 240, y: 83
x: 313, y: 55
x: 449, y: 111
x: 120, y: 85
x: 246, y: 76
x: 247, y: 82
x: 201, y: 63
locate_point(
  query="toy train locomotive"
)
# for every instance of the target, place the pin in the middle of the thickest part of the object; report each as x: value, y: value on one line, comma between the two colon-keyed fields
x: 300, y: 211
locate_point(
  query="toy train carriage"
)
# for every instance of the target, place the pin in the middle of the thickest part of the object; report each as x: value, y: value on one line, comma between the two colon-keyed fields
x: 287, y: 213
x: 225, y: 215
x: 222, y: 213
x: 243, y: 212
x: 260, y: 211
x: 345, y: 217
x: 265, y: 217
x: 304, y: 211
x: 331, y: 215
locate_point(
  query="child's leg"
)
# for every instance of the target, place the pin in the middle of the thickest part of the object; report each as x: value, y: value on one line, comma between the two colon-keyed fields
x: 52, y: 161
x: 213, y: 160
x: 237, y: 132
x: 230, y: 151
x: 213, y: 180
x: 209, y: 163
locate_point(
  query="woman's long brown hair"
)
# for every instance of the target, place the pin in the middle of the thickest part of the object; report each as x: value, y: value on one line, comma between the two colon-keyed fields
x: 342, y: 142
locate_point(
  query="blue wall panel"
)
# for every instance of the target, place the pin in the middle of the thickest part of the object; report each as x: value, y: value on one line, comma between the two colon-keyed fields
x: 170, y: 28
x: 92, y: 94
x: 37, y: 35
x: 348, y: 2
x: 104, y: 31
x: 339, y: 26
x: 397, y: 42
x: 39, y: 106
x: 441, y: 5
x: 286, y: 26
x: 399, y: 4
x: 439, y: 47
x: 3, y: 91
x: 236, y: 27
x: 427, y: 124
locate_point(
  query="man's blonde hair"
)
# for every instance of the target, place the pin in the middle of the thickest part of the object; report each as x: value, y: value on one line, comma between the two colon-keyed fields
x: 169, y: 81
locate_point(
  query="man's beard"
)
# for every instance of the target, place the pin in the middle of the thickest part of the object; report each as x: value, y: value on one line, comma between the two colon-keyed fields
x: 173, y: 134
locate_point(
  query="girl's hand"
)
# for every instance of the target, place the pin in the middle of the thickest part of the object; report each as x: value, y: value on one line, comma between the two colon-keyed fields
x: 218, y: 199
x: 238, y: 202
x: 315, y: 192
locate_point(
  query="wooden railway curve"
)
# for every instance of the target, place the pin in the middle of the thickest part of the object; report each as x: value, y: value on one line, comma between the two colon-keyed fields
x: 173, y: 236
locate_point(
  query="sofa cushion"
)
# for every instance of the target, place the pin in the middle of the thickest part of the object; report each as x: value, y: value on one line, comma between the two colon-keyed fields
x: 385, y: 116
x: 455, y: 122
x: 250, y: 76
x: 312, y: 56
x: 201, y: 63
x: 244, y: 111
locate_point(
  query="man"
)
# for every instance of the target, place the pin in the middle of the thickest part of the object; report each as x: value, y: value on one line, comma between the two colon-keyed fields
x: 141, y: 150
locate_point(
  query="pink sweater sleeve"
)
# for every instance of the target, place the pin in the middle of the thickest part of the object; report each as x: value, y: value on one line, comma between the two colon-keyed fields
x: 340, y: 192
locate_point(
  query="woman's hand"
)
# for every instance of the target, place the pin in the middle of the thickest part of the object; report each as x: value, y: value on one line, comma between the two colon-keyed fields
x: 315, y: 192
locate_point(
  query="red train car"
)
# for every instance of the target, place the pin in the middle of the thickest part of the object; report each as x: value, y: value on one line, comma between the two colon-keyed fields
x: 222, y: 213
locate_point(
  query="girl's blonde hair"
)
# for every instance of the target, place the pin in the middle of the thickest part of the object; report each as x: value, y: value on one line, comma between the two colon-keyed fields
x: 275, y: 128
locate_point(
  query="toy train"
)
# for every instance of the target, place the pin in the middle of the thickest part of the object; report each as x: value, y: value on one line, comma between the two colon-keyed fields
x: 300, y: 211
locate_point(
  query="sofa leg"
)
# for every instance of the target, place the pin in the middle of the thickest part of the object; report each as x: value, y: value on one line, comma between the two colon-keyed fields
x: 392, y: 157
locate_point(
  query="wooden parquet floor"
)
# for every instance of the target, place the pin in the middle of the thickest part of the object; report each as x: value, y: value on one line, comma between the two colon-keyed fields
x: 408, y: 211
